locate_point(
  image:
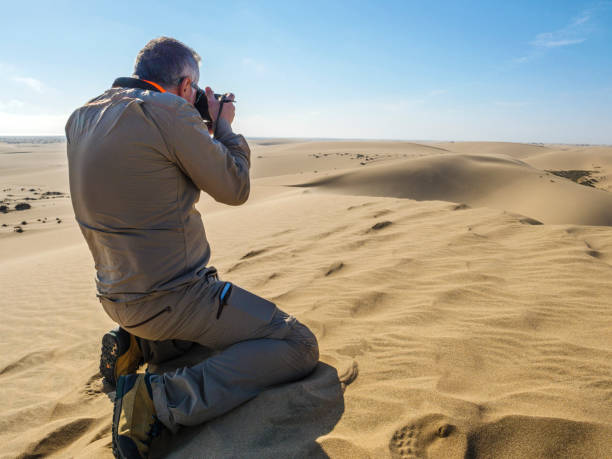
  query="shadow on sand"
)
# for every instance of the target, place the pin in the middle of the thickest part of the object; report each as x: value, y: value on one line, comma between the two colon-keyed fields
x: 283, y: 421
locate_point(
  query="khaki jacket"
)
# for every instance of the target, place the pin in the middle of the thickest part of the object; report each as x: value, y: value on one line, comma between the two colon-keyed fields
x: 138, y: 160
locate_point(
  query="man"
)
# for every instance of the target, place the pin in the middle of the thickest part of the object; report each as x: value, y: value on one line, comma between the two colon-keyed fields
x: 138, y: 156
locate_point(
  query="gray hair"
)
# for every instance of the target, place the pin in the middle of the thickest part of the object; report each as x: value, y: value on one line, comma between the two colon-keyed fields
x: 165, y: 61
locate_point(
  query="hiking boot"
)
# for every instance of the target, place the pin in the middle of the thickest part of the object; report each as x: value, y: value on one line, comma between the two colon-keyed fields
x: 134, y: 421
x: 120, y: 355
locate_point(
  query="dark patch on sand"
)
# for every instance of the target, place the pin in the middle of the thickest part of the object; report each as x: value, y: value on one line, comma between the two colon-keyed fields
x: 253, y: 253
x: 530, y: 221
x: 334, y: 268
x: 380, y: 225
x: 581, y: 177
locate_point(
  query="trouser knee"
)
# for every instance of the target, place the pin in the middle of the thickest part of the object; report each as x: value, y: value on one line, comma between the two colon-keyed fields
x: 305, y: 343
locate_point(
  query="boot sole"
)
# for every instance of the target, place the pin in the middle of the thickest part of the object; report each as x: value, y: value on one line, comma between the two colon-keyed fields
x: 108, y: 357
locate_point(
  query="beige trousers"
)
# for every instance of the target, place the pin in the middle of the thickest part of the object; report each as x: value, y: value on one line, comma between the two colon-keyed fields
x: 259, y: 346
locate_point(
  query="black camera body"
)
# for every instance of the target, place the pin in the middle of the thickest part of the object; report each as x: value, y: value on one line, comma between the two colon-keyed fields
x: 201, y: 104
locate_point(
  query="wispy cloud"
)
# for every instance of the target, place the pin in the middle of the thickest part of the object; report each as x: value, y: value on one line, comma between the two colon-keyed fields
x: 574, y: 33
x: 548, y: 40
x: 32, y: 83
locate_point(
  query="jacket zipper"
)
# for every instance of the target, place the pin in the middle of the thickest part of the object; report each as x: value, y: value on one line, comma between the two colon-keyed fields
x: 166, y: 309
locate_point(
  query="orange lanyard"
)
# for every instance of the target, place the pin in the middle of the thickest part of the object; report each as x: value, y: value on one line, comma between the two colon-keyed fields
x: 155, y: 85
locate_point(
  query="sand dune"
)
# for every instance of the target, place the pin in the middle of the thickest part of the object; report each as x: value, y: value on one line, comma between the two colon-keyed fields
x: 282, y: 158
x: 479, y: 180
x: 445, y: 330
x: 595, y: 160
x: 515, y: 150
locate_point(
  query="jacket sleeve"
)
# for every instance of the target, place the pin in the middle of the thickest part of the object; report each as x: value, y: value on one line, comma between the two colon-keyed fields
x: 220, y: 167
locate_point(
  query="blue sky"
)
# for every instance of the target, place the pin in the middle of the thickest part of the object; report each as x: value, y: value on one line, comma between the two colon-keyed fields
x: 528, y: 71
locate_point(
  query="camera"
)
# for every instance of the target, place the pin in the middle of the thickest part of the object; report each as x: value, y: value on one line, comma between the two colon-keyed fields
x: 201, y: 104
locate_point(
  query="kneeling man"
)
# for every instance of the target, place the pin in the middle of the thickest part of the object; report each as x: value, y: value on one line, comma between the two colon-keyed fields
x: 139, y: 155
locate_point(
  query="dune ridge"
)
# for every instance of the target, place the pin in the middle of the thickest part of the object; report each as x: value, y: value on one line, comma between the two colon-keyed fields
x: 481, y: 180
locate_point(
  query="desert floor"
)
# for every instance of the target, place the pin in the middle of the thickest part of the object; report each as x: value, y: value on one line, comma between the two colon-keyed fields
x: 460, y: 293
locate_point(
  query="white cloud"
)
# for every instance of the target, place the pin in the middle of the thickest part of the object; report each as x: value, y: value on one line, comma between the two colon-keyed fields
x: 32, y: 83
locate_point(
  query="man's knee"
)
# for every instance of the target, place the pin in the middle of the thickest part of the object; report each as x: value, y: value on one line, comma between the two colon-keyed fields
x: 305, y: 343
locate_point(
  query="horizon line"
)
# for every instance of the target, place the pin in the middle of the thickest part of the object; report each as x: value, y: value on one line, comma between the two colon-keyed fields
x: 360, y: 139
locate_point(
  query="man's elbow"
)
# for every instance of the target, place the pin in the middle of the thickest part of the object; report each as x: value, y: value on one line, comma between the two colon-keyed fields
x: 236, y: 199
x: 242, y: 197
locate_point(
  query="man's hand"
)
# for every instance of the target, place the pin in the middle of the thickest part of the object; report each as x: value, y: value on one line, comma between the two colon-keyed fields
x: 227, y: 112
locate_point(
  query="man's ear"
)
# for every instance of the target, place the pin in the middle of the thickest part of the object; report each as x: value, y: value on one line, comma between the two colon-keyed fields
x: 184, y: 87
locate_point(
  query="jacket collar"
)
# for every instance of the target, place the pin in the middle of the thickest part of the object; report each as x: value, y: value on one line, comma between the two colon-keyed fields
x: 128, y: 82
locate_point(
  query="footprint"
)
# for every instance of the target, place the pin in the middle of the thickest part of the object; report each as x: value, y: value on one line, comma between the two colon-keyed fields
x: 436, y: 436
x: 430, y: 436
x: 94, y: 385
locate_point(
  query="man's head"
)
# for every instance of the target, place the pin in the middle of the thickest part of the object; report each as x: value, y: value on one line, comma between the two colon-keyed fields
x: 170, y: 64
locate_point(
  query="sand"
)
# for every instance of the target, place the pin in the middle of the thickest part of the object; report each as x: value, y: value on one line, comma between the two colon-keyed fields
x: 460, y: 293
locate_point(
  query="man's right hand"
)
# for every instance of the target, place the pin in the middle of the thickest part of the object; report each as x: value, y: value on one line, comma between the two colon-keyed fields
x: 227, y: 112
